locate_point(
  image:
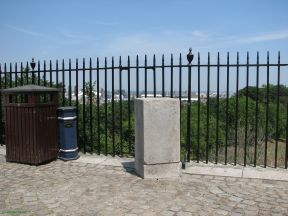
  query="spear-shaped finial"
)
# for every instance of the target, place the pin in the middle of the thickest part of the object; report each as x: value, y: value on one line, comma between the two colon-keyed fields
x: 33, y: 64
x: 190, y: 56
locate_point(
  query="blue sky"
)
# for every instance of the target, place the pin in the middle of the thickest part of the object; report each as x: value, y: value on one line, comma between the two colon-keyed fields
x: 54, y: 29
x: 69, y: 28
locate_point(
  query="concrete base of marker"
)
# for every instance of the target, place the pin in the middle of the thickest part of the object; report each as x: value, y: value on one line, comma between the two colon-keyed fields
x: 158, y: 170
x: 157, y: 137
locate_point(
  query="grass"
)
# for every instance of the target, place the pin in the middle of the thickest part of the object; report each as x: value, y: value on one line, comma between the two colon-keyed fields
x: 260, y: 157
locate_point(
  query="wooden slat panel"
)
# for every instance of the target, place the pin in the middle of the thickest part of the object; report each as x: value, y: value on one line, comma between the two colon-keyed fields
x: 16, y: 134
x: 42, y: 133
x: 43, y: 138
x: 8, y: 132
x: 48, y: 133
x: 12, y: 116
x: 30, y: 132
x: 54, y: 124
x: 27, y: 134
x: 36, y: 131
x: 48, y: 128
x: 37, y: 135
x: 25, y: 137
x: 19, y: 136
x: 22, y: 137
x: 12, y: 148
x: 34, y: 135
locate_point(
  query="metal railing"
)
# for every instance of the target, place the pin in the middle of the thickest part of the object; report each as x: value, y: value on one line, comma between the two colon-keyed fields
x: 237, y: 120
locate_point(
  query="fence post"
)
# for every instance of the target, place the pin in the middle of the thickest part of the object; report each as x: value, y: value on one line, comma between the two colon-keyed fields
x: 157, y: 137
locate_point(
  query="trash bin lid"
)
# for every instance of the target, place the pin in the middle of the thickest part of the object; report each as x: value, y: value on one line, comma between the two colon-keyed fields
x: 29, y: 89
x: 66, y: 108
x: 67, y: 112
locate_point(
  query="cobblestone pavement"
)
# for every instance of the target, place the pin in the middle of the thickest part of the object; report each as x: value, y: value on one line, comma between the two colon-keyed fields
x: 70, y: 188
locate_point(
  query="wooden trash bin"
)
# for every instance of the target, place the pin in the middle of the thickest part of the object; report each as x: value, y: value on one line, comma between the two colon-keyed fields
x: 31, y: 124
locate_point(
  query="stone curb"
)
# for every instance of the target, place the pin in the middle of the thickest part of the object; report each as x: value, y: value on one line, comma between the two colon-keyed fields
x: 236, y: 171
x: 192, y: 168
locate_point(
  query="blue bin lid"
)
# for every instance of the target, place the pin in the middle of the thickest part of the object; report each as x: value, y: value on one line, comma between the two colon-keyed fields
x: 66, y: 108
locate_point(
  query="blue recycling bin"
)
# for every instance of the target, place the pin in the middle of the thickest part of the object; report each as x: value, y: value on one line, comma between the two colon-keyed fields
x: 67, y: 117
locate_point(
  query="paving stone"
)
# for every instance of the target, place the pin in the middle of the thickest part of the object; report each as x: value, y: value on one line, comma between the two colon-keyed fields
x: 248, y: 202
x: 167, y: 213
x: 226, y: 208
x: 250, y: 213
x: 236, y: 214
x: 30, y: 199
x: 235, y: 198
x: 129, y: 214
x: 222, y: 212
x: 71, y: 188
x: 182, y: 213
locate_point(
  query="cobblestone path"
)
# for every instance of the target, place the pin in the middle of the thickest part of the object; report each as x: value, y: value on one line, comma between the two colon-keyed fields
x: 70, y: 188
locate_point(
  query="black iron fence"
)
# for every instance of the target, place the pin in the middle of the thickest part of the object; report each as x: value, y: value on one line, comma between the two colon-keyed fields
x: 231, y: 111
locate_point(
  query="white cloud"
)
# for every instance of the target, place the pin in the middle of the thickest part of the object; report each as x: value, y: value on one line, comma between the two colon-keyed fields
x: 68, y: 34
x: 72, y: 37
x: 137, y: 44
x: 162, y: 42
x: 175, y: 42
x: 199, y: 34
x: 25, y: 31
x: 264, y: 37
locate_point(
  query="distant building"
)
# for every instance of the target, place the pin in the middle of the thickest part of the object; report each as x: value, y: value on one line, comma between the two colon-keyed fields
x: 150, y: 95
x: 80, y: 96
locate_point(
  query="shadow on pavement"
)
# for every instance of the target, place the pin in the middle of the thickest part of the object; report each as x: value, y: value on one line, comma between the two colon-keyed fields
x: 129, y: 167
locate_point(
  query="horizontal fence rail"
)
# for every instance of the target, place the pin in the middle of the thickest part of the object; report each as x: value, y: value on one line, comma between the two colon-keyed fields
x: 233, y: 110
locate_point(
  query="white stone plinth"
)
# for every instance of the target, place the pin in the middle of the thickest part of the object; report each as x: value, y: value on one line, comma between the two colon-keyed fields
x: 157, y: 137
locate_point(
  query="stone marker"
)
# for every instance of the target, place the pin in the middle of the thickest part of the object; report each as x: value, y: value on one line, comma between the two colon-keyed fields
x: 157, y: 137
